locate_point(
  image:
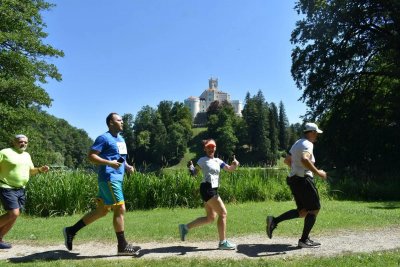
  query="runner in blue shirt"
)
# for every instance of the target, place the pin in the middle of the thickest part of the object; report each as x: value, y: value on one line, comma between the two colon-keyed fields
x: 109, y: 153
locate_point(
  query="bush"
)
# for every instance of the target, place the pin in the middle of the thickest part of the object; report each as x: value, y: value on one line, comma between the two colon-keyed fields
x: 65, y: 193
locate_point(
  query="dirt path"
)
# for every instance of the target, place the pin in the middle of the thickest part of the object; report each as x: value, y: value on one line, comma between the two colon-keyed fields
x: 249, y: 247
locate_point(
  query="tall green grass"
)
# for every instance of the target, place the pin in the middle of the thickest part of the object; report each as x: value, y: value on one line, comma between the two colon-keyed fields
x: 65, y: 193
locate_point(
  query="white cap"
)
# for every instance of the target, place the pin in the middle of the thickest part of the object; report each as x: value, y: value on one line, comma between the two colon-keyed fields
x: 309, y: 126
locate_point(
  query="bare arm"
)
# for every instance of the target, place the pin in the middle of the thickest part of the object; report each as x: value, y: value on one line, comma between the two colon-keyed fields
x: 37, y: 170
x: 233, y: 166
x: 288, y: 160
x: 305, y: 159
x: 194, y: 170
x: 96, y: 159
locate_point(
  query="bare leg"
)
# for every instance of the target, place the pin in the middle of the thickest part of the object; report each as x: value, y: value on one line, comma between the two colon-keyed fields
x: 100, y: 211
x: 7, y: 221
x: 118, y: 219
x: 210, y: 217
x: 218, y: 206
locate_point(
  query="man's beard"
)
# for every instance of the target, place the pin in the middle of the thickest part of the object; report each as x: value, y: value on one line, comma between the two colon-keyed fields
x: 21, y: 149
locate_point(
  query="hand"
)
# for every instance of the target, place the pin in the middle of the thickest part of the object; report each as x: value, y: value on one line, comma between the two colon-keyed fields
x: 192, y: 169
x: 44, y: 168
x: 114, y: 164
x: 130, y: 169
x: 191, y: 166
x: 235, y: 162
x: 322, y: 174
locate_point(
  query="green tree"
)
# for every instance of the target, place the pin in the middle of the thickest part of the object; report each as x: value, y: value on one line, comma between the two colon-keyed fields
x: 255, y: 114
x: 23, y: 65
x: 283, y: 124
x: 273, y: 155
x: 347, y: 61
x: 129, y: 135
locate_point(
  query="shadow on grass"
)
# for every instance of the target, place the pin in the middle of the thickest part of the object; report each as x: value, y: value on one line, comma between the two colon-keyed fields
x: 177, y: 250
x: 265, y: 250
x: 387, y: 206
x: 54, y: 255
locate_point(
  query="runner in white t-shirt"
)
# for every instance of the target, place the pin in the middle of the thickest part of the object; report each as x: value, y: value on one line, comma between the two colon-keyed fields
x: 301, y: 162
x: 211, y: 167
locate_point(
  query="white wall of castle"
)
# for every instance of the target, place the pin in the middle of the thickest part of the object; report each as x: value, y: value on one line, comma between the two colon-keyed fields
x: 200, y: 104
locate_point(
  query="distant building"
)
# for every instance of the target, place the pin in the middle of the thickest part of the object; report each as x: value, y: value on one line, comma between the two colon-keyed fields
x: 200, y: 104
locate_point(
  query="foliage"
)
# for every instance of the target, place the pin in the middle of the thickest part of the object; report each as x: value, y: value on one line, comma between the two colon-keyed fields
x: 283, y: 125
x: 23, y: 70
x: 23, y: 53
x: 158, y: 137
x: 347, y: 60
x: 60, y: 192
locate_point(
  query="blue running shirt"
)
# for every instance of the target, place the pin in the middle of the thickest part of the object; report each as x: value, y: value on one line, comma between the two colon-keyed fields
x: 110, y: 148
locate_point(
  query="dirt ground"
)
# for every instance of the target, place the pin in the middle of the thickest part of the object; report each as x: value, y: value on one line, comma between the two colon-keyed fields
x: 248, y: 247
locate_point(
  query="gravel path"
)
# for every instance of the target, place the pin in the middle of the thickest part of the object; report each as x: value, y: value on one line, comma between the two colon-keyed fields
x: 248, y: 247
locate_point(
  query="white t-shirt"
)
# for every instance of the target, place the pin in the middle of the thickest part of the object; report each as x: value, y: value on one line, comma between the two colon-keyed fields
x: 297, y: 150
x: 211, y: 169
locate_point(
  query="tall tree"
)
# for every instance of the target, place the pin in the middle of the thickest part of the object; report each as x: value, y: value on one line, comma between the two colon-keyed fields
x: 129, y: 135
x: 23, y: 64
x: 347, y: 60
x: 283, y: 124
x: 272, y: 156
x: 255, y: 114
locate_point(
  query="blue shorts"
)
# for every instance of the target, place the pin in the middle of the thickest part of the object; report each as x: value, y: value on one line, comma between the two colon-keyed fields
x: 12, y: 198
x: 111, y: 193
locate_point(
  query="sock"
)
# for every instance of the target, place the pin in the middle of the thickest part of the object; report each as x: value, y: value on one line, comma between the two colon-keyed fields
x: 222, y: 241
x: 121, y: 239
x: 291, y: 214
x: 309, y: 222
x: 76, y: 227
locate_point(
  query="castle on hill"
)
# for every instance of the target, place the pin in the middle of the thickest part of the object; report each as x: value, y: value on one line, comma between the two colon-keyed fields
x: 199, y: 105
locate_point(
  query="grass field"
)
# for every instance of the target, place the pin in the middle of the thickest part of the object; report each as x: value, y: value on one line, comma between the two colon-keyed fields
x: 384, y: 259
x: 243, y: 219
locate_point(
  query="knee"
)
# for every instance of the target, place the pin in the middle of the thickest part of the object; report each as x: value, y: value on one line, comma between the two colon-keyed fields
x: 103, y: 211
x: 13, y: 214
x: 211, y: 218
x: 119, y: 210
x: 303, y: 213
x: 314, y: 212
x: 223, y: 214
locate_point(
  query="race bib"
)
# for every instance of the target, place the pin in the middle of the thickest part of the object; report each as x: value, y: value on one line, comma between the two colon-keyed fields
x: 214, y: 180
x: 122, y: 148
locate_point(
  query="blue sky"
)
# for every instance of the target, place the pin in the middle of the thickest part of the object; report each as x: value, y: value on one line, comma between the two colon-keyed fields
x: 124, y: 54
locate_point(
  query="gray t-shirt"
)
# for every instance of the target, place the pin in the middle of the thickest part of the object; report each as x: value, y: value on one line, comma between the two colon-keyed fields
x: 297, y: 150
x: 211, y: 167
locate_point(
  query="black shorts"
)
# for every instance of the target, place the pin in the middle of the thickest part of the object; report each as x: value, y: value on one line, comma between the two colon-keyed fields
x: 207, y: 192
x: 305, y: 193
x: 12, y: 198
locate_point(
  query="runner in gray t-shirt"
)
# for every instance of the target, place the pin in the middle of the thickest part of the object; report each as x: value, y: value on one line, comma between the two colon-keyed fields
x: 213, y: 204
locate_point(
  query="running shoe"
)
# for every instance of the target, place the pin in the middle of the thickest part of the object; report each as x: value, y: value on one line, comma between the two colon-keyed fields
x: 308, y: 243
x: 129, y: 250
x: 271, y: 225
x: 183, y: 230
x: 68, y: 237
x: 226, y: 245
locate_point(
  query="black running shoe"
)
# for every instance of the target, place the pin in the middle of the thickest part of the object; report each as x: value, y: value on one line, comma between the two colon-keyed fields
x: 271, y: 225
x: 308, y: 243
x: 68, y: 237
x: 129, y: 250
